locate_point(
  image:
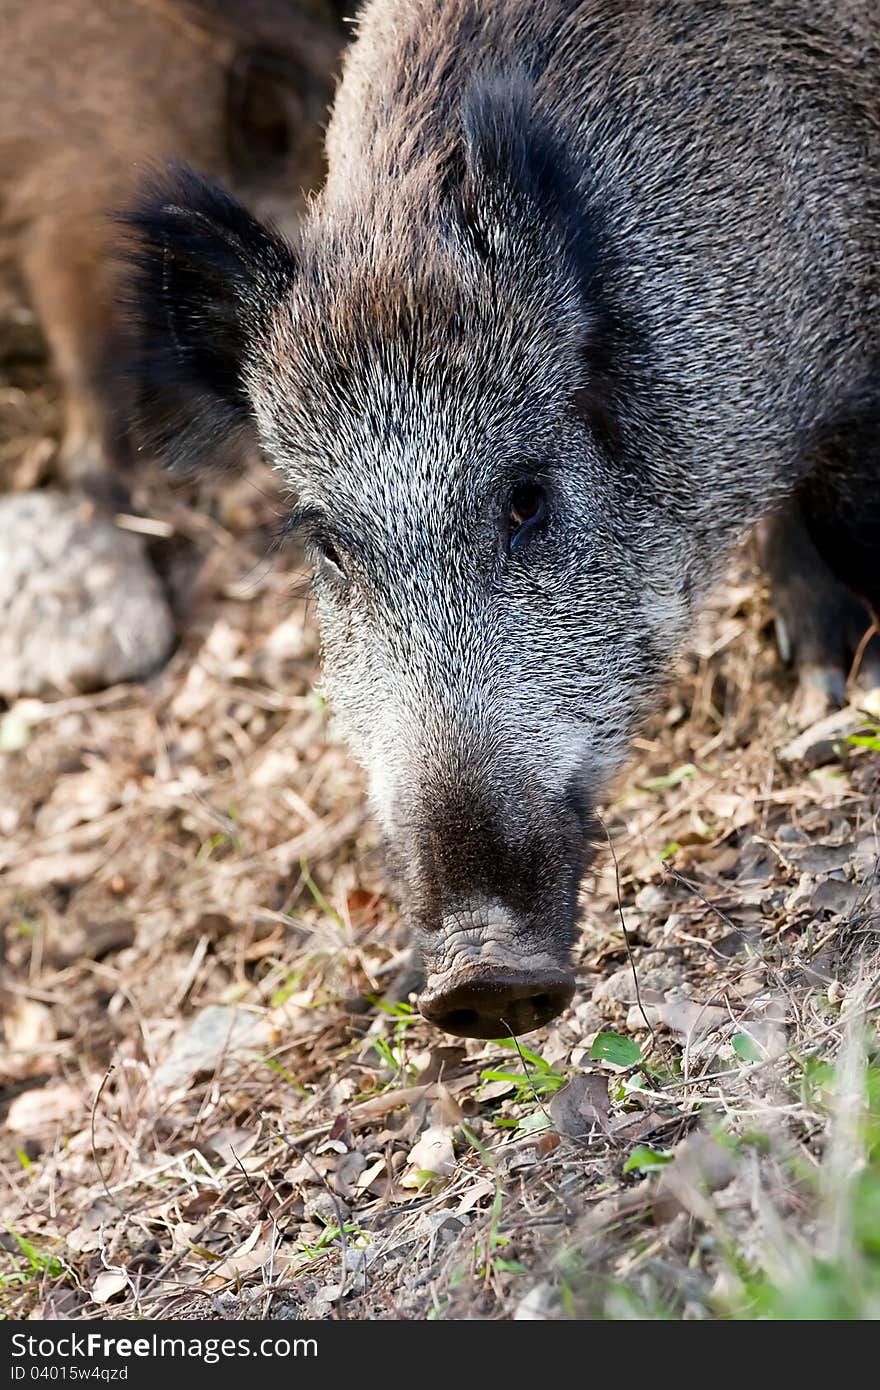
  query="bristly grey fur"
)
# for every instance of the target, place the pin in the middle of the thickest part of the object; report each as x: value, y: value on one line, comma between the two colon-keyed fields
x: 628, y: 251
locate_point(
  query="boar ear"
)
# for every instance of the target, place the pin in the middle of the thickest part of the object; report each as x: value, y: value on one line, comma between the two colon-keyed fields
x: 518, y: 171
x: 516, y: 164
x: 205, y: 277
x: 511, y: 150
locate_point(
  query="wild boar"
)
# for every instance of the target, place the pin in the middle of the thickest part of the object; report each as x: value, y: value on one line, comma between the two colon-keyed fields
x: 591, y: 290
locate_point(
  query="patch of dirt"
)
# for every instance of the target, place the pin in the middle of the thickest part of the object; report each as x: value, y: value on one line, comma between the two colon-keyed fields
x: 201, y: 1113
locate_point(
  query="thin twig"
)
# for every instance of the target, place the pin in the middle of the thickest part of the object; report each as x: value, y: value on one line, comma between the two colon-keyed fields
x: 100, y: 1091
x: 337, y: 1207
x: 860, y: 652
x: 626, y: 936
x: 528, y: 1075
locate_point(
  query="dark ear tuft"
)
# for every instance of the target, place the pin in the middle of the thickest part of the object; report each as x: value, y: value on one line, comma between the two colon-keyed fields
x: 498, y: 123
x: 518, y: 173
x: 512, y: 150
x: 204, y: 278
x: 516, y: 164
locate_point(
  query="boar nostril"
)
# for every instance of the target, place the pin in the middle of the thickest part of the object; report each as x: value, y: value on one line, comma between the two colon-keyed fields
x: 461, y: 1022
x: 496, y: 1005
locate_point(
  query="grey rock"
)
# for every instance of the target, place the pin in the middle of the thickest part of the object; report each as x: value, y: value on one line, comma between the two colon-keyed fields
x: 541, y: 1304
x: 616, y: 993
x: 80, y: 606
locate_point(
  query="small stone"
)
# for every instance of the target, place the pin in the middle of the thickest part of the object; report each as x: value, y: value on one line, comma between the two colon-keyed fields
x: 541, y: 1304
x: 80, y: 606
x: 323, y: 1207
x: 616, y: 993
x: 650, y: 898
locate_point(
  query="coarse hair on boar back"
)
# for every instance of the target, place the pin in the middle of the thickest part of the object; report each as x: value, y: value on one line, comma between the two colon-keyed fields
x: 589, y: 291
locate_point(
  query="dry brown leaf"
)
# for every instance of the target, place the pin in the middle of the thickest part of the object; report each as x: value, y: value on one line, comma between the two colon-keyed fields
x: 473, y: 1195
x: 494, y: 1090
x: 816, y: 745
x: 631, y: 1129
x: 446, y: 1110
x: 443, y: 1062
x: 686, y: 1017
x: 216, y: 1033
x: 108, y: 1284
x: 700, y: 1167
x: 579, y: 1109
x: 251, y: 1254
x: 38, y: 1110
x: 371, y: 1173
x: 433, y: 1154
x: 231, y: 1145
x: 26, y: 1024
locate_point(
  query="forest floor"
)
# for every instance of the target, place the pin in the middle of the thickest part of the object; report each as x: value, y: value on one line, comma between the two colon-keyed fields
x: 202, y: 1114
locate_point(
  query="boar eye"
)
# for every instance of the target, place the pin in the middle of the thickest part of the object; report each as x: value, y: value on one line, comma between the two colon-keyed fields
x: 528, y: 506
x: 329, y: 560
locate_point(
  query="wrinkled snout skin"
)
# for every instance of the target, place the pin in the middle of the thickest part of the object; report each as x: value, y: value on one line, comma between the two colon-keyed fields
x: 590, y: 290
x: 491, y: 900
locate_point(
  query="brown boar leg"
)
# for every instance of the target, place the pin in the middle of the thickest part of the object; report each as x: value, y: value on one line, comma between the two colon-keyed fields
x: 819, y: 622
x: 69, y: 282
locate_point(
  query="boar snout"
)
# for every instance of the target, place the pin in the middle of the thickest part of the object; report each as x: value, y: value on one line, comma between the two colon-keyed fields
x: 483, y: 986
x: 496, y: 1003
